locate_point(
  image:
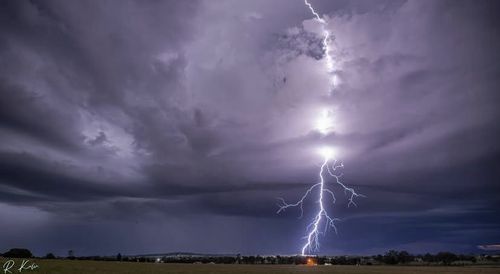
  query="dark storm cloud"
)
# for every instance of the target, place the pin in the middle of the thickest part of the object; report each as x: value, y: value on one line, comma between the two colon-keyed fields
x: 49, y: 180
x: 177, y: 118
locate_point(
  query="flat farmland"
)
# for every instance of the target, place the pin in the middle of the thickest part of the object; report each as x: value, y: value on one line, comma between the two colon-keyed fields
x: 98, y: 267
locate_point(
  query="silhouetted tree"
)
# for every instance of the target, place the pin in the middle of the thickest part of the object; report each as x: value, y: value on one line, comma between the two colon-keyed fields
x: 50, y: 256
x: 18, y: 253
x: 379, y: 258
x: 391, y: 257
x: 119, y: 257
x: 446, y: 257
x: 428, y: 258
x: 404, y: 257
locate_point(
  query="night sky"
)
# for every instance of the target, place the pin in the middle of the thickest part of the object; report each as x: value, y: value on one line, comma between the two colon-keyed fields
x: 159, y: 126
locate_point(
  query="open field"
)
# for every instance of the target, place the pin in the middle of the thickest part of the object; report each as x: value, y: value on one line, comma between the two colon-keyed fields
x: 98, y: 267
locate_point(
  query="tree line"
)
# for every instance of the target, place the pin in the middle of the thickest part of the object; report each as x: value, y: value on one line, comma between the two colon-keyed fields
x: 392, y: 257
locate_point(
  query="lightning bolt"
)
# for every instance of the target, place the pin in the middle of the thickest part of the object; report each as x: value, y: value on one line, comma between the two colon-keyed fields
x: 326, y: 37
x: 322, y: 221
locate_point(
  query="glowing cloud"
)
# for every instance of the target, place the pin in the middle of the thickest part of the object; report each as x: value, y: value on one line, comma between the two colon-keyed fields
x: 327, y: 152
x: 324, y: 123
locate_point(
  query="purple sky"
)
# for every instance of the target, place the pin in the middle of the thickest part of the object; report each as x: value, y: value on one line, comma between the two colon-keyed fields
x: 158, y: 126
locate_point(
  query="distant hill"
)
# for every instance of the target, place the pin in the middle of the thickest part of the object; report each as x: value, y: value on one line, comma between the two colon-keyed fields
x: 182, y: 254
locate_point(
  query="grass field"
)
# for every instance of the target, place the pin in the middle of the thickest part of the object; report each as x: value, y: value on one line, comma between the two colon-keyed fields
x: 94, y: 267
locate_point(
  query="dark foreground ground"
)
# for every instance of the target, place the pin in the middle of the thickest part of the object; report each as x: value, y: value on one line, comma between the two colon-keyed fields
x: 94, y: 267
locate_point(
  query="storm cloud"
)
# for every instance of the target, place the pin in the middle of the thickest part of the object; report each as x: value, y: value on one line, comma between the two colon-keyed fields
x: 178, y: 123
